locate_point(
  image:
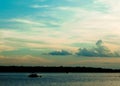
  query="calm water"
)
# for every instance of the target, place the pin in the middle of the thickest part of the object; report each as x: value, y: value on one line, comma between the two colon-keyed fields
x: 61, y: 79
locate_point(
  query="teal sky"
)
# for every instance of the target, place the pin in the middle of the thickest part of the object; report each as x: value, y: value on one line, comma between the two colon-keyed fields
x: 78, y: 32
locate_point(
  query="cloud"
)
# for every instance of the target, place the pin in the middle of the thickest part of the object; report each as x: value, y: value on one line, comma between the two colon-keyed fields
x: 41, y: 38
x: 24, y: 60
x: 40, y: 6
x: 98, y: 51
x: 22, y: 52
x: 62, y: 52
x: 76, y: 20
x: 99, y: 43
x: 104, y: 62
x: 112, y: 4
x: 92, y: 23
x: 6, y: 48
x: 26, y: 21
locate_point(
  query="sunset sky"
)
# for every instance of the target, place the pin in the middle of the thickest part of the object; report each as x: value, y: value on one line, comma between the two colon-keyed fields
x: 60, y: 32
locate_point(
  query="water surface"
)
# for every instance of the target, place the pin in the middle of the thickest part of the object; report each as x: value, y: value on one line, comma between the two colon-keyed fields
x: 61, y: 79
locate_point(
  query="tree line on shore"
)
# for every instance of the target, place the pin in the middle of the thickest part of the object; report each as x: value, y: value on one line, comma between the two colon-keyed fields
x: 52, y: 69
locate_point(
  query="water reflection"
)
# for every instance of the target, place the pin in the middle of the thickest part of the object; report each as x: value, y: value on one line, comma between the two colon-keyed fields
x: 61, y: 79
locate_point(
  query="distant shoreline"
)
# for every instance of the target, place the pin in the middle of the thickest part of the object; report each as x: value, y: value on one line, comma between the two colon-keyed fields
x: 60, y: 69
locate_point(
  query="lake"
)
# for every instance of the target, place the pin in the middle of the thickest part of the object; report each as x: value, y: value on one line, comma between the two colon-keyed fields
x: 61, y: 79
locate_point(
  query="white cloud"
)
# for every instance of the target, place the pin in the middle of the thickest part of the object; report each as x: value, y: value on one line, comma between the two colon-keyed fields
x: 68, y: 8
x: 83, y: 26
x: 24, y: 60
x: 93, y: 25
x: 39, y: 6
x: 101, y: 60
x: 4, y: 47
x: 113, y: 5
x: 25, y: 21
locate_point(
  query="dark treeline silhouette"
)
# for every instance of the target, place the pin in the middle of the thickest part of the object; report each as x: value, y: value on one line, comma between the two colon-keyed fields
x: 59, y: 69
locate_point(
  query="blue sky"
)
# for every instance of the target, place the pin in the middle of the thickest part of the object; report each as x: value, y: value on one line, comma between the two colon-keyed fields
x: 32, y: 29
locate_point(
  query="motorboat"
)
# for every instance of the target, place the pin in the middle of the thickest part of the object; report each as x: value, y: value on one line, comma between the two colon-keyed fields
x: 34, y: 75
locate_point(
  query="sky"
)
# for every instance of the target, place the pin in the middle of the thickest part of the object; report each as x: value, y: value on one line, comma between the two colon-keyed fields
x: 60, y: 32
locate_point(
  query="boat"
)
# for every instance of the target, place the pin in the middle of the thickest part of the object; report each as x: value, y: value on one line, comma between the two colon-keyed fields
x: 34, y: 75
